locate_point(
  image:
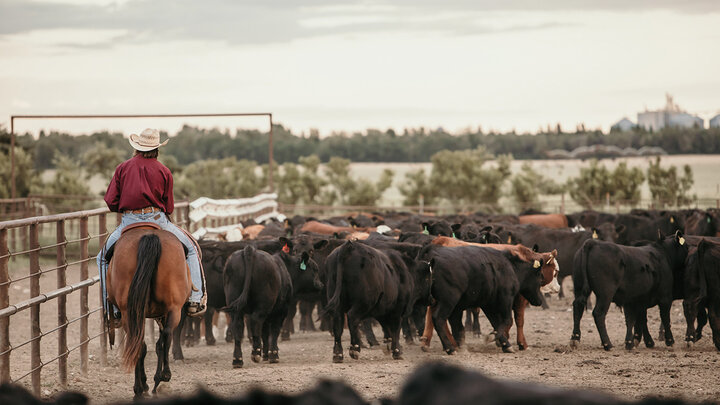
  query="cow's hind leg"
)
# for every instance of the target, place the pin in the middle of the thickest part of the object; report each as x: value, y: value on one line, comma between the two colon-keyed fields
x: 237, y: 324
x: 209, y: 335
x: 338, y: 323
x: 702, y: 320
x: 275, y: 324
x: 256, y: 324
x: 645, y: 331
x: 266, y: 339
x: 476, y: 321
x: 440, y: 315
x: 631, y: 317
x: 579, y: 305
x: 367, y: 330
x: 714, y: 321
x: 288, y: 326
x: 665, y: 318
x: 140, y: 386
x: 599, y: 313
x: 456, y: 325
x: 354, y: 318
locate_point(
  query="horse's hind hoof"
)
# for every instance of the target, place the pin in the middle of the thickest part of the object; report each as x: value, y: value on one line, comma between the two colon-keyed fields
x: 237, y: 363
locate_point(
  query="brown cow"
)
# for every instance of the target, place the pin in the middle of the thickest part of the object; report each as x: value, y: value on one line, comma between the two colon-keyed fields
x: 546, y: 220
x: 251, y: 232
x: 327, y: 229
x: 549, y: 269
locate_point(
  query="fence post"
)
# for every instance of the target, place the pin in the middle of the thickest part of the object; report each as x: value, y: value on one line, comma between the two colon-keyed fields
x: 62, y: 303
x: 84, y: 295
x: 4, y: 303
x: 35, y: 332
x: 102, y: 236
x: 187, y: 218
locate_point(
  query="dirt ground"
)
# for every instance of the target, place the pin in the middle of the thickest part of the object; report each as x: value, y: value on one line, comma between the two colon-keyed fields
x: 691, y: 373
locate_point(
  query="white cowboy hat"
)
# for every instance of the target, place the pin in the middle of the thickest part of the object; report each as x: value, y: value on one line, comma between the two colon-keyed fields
x: 148, y: 139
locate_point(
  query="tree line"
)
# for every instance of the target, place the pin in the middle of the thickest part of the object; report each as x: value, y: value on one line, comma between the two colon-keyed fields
x: 192, y: 144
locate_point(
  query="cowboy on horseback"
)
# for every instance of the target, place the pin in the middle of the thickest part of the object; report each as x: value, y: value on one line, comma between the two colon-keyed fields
x: 142, y: 190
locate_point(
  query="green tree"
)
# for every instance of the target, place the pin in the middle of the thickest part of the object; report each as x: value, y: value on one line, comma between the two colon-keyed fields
x: 527, y: 186
x: 219, y: 178
x: 343, y: 189
x: 595, y: 183
x: 417, y: 184
x: 301, y: 184
x: 464, y: 180
x: 101, y: 159
x: 26, y: 178
x: 667, y: 187
x: 68, y: 179
x: 626, y: 184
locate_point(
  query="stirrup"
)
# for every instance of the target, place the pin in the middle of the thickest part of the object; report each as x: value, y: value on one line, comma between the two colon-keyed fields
x: 195, y: 309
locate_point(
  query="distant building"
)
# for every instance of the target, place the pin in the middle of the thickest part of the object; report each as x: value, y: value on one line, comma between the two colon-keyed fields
x: 624, y: 125
x: 715, y: 121
x: 670, y: 116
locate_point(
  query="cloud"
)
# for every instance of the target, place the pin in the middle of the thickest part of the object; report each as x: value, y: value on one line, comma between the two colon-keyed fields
x: 273, y: 21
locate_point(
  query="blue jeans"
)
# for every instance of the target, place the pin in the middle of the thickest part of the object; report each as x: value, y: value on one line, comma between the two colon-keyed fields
x: 193, y: 260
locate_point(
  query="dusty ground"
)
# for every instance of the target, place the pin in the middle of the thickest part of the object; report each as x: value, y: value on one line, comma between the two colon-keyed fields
x: 691, y: 373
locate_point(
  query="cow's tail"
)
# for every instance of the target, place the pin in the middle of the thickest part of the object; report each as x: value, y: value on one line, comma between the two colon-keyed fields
x: 336, y: 266
x: 248, y: 258
x: 148, y: 257
x: 581, y: 283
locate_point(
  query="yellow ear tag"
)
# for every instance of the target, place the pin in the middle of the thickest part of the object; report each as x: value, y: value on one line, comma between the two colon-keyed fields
x: 681, y: 240
x: 509, y: 240
x: 536, y: 264
x: 595, y: 235
x: 672, y: 220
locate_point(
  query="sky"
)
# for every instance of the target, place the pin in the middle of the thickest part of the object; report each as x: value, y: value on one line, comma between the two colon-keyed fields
x: 351, y: 65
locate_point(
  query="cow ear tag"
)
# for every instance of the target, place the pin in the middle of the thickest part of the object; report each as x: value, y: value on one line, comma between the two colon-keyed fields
x: 672, y: 220
x: 303, y: 266
x: 286, y: 249
x: 536, y: 264
x: 595, y: 235
x: 425, y: 231
x: 709, y: 220
x: 681, y: 240
x: 454, y: 235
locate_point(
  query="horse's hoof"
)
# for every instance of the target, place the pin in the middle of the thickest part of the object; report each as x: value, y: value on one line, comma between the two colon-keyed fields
x: 237, y: 363
x: 521, y: 346
x: 337, y: 358
x: 629, y: 345
x: 355, y: 355
x: 425, y: 348
x: 256, y: 358
x: 650, y: 344
x: 669, y: 342
x: 451, y: 352
x: 508, y: 349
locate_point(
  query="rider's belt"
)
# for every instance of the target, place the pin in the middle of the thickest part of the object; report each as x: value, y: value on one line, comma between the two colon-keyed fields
x: 145, y: 210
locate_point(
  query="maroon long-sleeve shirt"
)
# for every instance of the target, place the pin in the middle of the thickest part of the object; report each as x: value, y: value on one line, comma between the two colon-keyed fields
x: 138, y: 183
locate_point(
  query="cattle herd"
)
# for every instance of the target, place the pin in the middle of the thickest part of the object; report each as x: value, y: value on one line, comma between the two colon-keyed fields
x: 414, y: 274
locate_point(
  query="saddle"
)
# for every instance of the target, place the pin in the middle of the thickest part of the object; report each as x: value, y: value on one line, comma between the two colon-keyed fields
x: 152, y: 225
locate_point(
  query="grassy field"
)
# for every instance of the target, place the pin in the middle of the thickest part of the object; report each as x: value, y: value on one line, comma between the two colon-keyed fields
x: 706, y: 171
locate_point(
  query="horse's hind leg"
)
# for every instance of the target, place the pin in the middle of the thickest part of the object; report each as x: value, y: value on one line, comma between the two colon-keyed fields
x: 140, y: 386
x: 162, y: 348
x: 177, y: 334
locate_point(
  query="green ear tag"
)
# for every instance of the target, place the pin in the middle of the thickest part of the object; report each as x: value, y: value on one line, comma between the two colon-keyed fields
x: 425, y: 231
x: 303, y: 266
x: 454, y: 235
x: 709, y: 220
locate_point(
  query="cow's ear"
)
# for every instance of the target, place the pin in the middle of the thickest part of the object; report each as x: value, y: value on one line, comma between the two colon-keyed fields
x: 305, y: 257
x: 455, y: 227
x: 536, y: 248
x: 473, y: 235
x: 320, y: 244
x: 284, y: 240
x: 488, y: 228
x: 620, y: 228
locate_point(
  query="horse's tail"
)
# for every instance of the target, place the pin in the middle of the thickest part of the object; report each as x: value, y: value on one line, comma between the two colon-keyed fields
x: 248, y: 256
x: 148, y: 256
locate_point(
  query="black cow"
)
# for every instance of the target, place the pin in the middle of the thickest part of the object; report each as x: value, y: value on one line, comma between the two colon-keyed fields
x: 366, y: 282
x: 565, y: 241
x: 702, y: 223
x: 702, y: 291
x: 638, y: 228
x: 259, y: 285
x: 15, y: 394
x: 634, y: 277
x: 474, y: 276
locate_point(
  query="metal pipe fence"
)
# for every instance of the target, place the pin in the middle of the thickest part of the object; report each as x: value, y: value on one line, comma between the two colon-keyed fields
x: 26, y: 288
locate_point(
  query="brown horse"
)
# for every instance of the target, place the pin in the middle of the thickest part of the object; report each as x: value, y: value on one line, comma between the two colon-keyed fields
x: 148, y: 278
